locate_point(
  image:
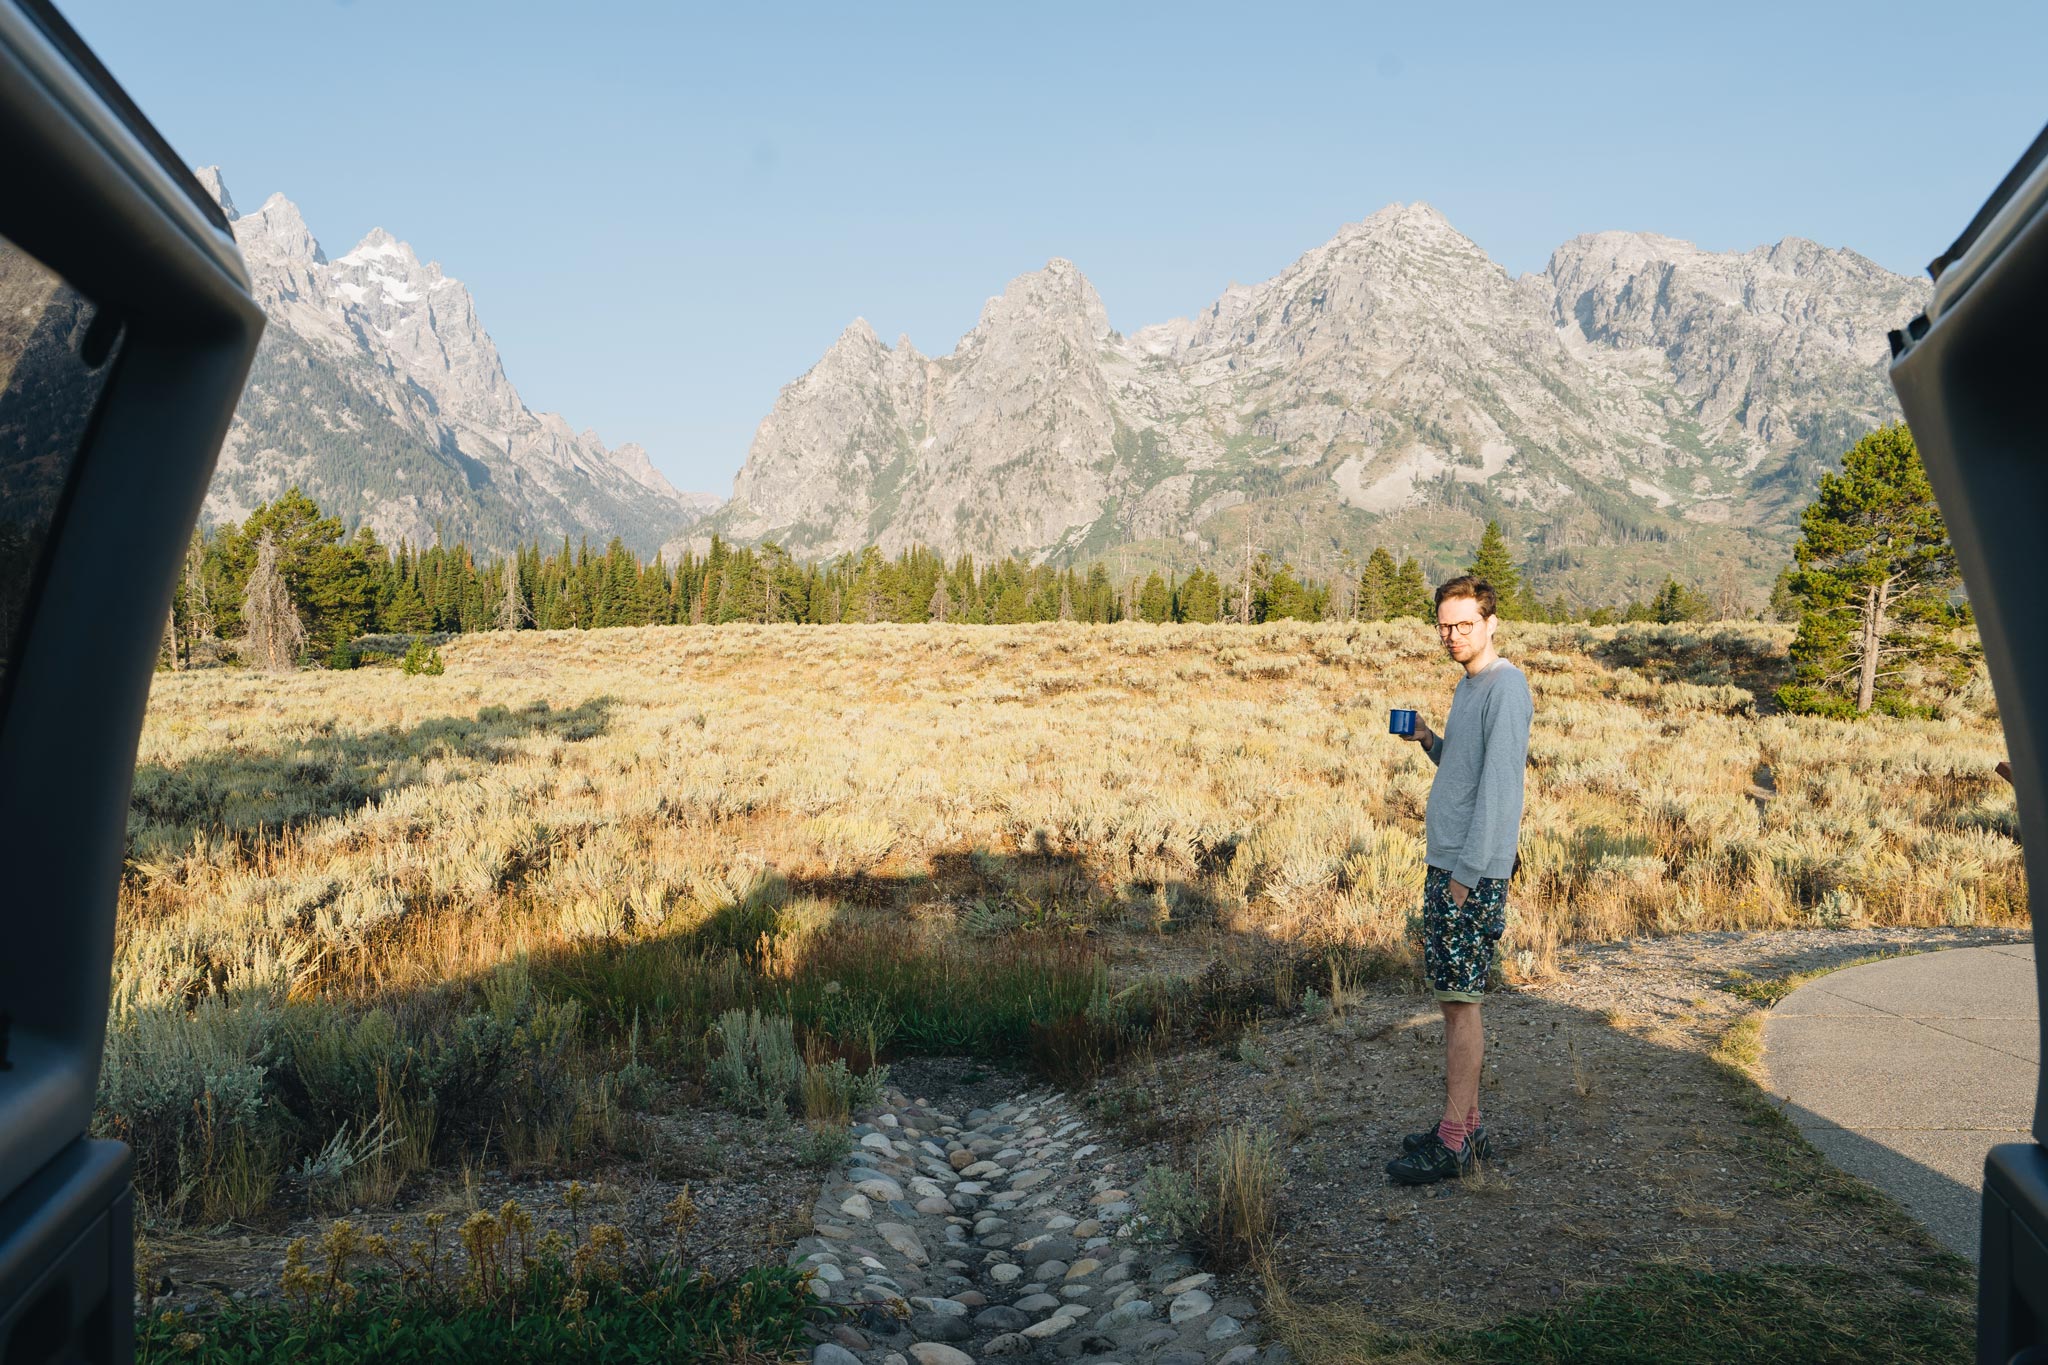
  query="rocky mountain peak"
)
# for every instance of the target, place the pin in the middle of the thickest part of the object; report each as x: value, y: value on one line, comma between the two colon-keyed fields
x: 1609, y: 251
x: 856, y: 357
x: 1644, y: 289
x: 1639, y: 392
x: 284, y: 258
x: 383, y: 358
x: 1057, y: 299
x: 857, y: 338
x: 209, y: 180
x: 279, y: 227
x: 379, y: 245
x: 1398, y: 241
x: 1417, y: 221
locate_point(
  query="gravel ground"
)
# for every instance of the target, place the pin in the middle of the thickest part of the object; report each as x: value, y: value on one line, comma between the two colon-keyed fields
x: 1617, y: 1140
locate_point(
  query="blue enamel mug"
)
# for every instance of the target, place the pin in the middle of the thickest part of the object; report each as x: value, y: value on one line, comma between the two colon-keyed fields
x: 1400, y: 722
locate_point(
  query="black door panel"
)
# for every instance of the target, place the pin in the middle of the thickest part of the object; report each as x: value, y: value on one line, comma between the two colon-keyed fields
x: 1972, y: 375
x: 120, y: 363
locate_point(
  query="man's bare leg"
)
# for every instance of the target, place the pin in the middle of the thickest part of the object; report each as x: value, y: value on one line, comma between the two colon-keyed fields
x: 1464, y: 1051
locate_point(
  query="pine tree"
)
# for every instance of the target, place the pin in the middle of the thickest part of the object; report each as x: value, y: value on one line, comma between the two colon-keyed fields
x: 940, y: 605
x: 1101, y: 597
x: 1286, y: 598
x: 1495, y: 567
x: 1784, y: 604
x: 1412, y: 596
x: 1067, y: 596
x: 1012, y: 605
x: 1676, y: 602
x: 1376, y: 586
x: 1876, y: 577
x: 274, y: 635
x: 407, y: 614
x: 1201, y: 598
x: 871, y: 590
x: 337, y: 590
x: 1155, y: 603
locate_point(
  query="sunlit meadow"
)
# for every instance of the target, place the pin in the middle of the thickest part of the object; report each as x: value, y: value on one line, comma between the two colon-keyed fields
x: 397, y: 913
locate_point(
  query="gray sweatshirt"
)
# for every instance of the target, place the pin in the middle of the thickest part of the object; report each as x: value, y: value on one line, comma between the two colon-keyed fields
x: 1474, y: 817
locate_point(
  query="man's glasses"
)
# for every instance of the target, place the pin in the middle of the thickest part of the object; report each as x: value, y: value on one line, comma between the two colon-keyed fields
x: 1460, y: 628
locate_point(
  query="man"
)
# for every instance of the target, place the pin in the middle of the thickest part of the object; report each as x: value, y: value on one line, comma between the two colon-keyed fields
x: 1472, y: 824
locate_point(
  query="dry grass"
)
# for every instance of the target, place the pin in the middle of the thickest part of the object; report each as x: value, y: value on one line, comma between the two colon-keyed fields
x: 1239, y: 1179
x: 346, y: 832
x: 671, y: 822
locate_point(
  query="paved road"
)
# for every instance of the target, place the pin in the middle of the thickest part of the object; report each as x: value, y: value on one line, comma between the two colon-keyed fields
x: 1905, y: 1072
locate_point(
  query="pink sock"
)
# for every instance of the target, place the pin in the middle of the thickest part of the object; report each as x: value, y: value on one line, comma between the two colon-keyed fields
x: 1452, y: 1135
x: 1472, y: 1119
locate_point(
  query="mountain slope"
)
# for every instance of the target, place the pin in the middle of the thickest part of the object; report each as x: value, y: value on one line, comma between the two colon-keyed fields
x: 1641, y: 406
x: 378, y: 391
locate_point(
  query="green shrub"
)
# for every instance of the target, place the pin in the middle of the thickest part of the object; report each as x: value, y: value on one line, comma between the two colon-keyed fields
x: 190, y: 1091
x: 1802, y: 700
x: 342, y: 656
x: 420, y: 657
x: 756, y: 1069
x: 332, y: 1065
x: 1171, y: 1205
x: 833, y: 1093
x: 824, y: 1146
x: 635, y: 1082
x: 861, y: 1024
x: 945, y: 999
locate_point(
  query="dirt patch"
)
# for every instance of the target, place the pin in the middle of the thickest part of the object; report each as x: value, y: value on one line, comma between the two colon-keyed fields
x: 1619, y: 1142
x: 956, y: 1085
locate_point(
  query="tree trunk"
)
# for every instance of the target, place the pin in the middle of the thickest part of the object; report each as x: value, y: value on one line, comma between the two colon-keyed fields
x: 513, y: 611
x: 1873, y: 639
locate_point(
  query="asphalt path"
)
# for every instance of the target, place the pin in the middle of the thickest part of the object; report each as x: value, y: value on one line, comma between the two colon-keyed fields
x: 1906, y: 1072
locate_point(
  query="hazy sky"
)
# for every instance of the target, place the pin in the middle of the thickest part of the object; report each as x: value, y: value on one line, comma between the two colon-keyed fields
x: 666, y: 212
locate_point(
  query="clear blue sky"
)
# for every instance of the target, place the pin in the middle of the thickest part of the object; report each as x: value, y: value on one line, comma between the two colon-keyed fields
x: 667, y: 212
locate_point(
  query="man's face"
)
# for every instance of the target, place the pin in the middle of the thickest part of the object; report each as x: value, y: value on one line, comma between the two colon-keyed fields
x: 1464, y: 631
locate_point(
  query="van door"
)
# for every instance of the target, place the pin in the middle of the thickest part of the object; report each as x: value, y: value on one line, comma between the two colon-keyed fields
x: 126, y: 333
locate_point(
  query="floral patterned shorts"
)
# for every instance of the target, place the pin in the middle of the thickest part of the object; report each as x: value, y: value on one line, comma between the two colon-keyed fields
x: 1458, y: 941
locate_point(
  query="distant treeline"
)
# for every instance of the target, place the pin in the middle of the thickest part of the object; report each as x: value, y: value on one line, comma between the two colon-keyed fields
x: 347, y: 586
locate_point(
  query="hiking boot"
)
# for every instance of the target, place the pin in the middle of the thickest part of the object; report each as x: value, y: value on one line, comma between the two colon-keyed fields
x: 1430, y: 1163
x: 1479, y: 1144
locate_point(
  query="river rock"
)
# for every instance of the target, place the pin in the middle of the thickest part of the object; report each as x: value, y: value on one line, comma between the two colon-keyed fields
x: 905, y: 1242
